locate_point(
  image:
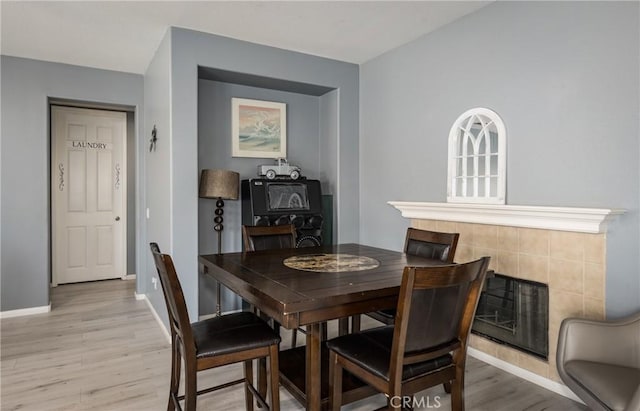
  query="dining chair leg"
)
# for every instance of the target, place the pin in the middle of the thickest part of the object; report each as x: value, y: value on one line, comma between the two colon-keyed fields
x: 248, y: 379
x: 355, y: 323
x: 275, y: 378
x: 262, y: 362
x: 396, y: 392
x: 190, y: 385
x: 457, y: 390
x: 335, y: 382
x: 457, y: 396
x: 176, y: 361
x: 343, y: 326
x: 294, y: 337
x: 262, y: 378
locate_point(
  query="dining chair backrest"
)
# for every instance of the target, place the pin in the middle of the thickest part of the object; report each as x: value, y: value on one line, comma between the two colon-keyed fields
x: 431, y: 244
x: 436, y: 306
x: 174, y: 298
x: 269, y: 237
x: 425, y: 325
x: 257, y: 238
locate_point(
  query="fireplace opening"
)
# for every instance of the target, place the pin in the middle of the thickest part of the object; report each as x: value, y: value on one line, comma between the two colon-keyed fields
x: 514, y: 312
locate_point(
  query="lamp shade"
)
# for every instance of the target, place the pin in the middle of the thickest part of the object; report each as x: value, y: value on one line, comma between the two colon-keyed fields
x: 219, y: 184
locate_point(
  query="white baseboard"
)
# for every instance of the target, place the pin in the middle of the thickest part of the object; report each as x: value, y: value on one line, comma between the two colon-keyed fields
x: 166, y: 332
x: 129, y: 277
x: 524, y: 374
x: 26, y: 311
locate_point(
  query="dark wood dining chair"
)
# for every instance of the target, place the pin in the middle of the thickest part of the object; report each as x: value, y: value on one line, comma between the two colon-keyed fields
x: 423, y: 243
x: 218, y: 341
x: 268, y: 237
x: 427, y: 345
x: 258, y: 238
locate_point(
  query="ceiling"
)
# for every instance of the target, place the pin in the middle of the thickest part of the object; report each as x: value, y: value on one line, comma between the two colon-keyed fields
x: 123, y: 35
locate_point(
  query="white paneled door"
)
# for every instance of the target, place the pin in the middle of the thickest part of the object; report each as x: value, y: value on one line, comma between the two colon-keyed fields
x: 88, y: 194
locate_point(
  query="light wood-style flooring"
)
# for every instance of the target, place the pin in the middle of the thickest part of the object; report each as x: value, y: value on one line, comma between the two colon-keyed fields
x: 101, y: 349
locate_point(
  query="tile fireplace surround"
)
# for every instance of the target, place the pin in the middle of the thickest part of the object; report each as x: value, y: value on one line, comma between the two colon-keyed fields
x: 564, y: 248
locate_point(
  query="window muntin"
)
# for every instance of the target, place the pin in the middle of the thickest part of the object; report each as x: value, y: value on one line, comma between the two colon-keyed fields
x: 477, y: 158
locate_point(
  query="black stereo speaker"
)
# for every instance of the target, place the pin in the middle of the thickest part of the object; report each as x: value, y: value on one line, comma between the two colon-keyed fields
x: 299, y: 202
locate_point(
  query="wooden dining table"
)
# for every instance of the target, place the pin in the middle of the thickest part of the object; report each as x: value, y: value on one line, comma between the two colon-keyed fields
x: 308, y: 287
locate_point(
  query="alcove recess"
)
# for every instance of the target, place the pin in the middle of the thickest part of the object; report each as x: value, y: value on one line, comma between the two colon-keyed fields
x: 312, y: 142
x: 315, y: 144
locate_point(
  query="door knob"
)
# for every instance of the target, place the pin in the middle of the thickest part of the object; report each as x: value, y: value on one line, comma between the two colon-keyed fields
x: 118, y: 218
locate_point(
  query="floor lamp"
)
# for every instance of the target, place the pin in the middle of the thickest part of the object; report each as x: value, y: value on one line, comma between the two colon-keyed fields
x: 221, y: 185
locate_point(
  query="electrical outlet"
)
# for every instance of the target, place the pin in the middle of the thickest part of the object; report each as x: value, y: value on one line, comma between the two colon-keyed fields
x: 154, y: 281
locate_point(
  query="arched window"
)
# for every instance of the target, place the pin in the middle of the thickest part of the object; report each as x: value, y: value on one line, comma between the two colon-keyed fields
x: 477, y: 158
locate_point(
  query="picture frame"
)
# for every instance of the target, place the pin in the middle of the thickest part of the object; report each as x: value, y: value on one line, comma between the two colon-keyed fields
x: 258, y: 128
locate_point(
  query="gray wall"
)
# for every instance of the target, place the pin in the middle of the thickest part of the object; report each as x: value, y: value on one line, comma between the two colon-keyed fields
x: 329, y: 154
x: 214, y: 151
x: 157, y: 172
x: 178, y: 202
x: 131, y: 192
x: 564, y: 78
x: 27, y: 86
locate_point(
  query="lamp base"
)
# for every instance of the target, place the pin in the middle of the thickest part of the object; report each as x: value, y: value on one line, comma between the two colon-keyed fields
x: 218, y: 227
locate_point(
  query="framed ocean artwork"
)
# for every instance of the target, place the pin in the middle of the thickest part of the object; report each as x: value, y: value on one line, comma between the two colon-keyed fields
x: 258, y: 128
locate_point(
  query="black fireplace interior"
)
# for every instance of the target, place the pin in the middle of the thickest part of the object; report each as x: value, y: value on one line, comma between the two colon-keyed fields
x: 514, y: 312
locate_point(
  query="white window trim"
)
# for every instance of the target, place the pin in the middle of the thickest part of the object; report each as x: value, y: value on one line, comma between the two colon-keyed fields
x: 465, y: 120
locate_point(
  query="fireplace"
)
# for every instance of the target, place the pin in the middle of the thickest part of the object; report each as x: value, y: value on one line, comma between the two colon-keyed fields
x: 514, y: 312
x: 563, y: 247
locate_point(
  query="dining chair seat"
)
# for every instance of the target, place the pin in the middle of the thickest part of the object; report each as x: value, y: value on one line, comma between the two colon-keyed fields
x: 231, y: 333
x: 371, y: 350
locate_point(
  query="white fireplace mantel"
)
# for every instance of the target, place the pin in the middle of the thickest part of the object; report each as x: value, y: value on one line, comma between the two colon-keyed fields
x: 582, y: 220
